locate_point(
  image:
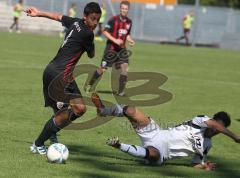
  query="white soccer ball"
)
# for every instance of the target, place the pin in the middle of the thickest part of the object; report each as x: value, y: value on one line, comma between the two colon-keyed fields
x: 57, y: 153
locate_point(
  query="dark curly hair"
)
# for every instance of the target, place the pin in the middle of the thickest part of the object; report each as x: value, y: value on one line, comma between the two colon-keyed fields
x: 224, y: 117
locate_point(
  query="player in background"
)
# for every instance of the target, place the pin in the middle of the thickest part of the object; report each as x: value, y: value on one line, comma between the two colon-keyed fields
x: 98, y: 36
x: 117, y: 31
x: 17, y: 11
x: 72, y: 12
x: 187, y: 25
x: 158, y: 145
x: 60, y: 90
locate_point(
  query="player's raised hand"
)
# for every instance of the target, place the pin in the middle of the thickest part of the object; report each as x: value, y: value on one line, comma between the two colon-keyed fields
x: 119, y: 42
x: 32, y: 11
x: 209, y: 166
x: 131, y: 43
x: 237, y: 139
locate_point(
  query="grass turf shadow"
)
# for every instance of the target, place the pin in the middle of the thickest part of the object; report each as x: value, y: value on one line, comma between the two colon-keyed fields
x: 92, y: 157
x: 103, y: 161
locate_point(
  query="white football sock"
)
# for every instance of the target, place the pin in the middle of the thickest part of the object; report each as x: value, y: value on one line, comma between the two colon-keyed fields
x: 134, y: 150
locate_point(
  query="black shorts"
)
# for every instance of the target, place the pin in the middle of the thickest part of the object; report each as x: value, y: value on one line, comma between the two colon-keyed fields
x: 15, y: 18
x: 116, y: 57
x: 186, y: 30
x: 56, y: 90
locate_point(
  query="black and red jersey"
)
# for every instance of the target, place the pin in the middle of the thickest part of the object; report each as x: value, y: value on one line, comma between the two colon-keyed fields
x: 79, y: 39
x: 119, y: 27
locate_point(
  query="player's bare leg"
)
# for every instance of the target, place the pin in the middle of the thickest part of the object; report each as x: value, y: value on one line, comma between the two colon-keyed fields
x: 62, y: 119
x: 15, y: 23
x: 186, y: 34
x: 137, y: 119
x: 123, y: 78
x: 76, y: 109
x: 96, y: 75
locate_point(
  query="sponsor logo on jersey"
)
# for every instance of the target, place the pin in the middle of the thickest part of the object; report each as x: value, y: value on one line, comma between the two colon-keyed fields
x: 122, y: 31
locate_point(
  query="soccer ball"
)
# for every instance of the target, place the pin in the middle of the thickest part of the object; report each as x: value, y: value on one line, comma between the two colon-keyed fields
x: 57, y: 153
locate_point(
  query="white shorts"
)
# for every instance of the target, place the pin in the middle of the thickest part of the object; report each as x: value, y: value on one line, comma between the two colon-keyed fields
x: 153, y: 135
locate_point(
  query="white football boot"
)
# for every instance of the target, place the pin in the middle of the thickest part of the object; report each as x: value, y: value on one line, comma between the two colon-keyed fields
x: 42, y: 150
x: 114, y: 142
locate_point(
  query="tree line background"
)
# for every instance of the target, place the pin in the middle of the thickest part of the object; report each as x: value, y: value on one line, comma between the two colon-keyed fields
x: 222, y: 3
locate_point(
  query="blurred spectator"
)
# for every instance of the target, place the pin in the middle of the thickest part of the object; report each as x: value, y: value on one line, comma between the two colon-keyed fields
x: 17, y: 11
x: 187, y: 24
x: 100, y: 25
x: 72, y: 12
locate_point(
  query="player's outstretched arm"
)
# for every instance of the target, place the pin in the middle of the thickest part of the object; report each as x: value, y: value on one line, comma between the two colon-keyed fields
x: 119, y: 42
x: 34, y: 12
x: 131, y: 42
x: 215, y: 125
x: 91, y: 51
x: 209, y: 166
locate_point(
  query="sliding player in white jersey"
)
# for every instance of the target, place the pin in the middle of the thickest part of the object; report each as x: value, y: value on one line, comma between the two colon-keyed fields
x: 158, y: 145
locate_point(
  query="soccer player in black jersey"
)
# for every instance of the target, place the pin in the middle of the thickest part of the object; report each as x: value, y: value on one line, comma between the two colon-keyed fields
x: 117, y: 31
x: 60, y: 90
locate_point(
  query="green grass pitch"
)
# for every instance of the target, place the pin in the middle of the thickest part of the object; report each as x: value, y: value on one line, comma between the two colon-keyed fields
x: 202, y: 81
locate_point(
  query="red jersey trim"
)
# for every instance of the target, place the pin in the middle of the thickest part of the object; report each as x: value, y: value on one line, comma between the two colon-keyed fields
x: 67, y: 75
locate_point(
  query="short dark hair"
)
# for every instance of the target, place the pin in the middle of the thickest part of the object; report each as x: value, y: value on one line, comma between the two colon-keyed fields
x: 224, y: 117
x: 92, y: 7
x: 127, y: 3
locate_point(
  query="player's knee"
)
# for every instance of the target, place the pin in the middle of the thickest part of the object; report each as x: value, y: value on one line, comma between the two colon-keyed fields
x: 79, y: 109
x: 124, y: 73
x: 76, y: 111
x: 62, y: 119
x: 153, y: 154
x: 129, y: 111
x: 124, y: 69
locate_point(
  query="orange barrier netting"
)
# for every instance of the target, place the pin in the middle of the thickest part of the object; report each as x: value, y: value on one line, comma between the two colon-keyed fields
x: 166, y: 2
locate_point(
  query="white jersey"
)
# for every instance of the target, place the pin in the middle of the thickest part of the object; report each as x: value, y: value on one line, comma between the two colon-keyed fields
x: 188, y: 138
x: 179, y: 141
